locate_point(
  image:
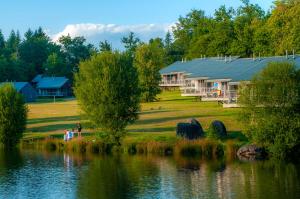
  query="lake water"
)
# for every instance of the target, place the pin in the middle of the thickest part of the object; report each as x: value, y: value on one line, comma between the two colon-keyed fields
x: 32, y: 174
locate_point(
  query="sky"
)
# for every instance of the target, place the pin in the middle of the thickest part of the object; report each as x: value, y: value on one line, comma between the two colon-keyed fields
x: 99, y: 20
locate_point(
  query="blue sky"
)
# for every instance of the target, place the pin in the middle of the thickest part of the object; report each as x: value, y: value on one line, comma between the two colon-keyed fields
x: 94, y: 18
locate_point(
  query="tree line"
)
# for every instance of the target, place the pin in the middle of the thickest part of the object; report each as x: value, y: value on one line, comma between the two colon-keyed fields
x: 245, y: 31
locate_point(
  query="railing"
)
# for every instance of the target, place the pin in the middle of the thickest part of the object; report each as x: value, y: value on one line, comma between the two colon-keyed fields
x: 228, y: 95
x: 172, y: 82
x: 52, y: 93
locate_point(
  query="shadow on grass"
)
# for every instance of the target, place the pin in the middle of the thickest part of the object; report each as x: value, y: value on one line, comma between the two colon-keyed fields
x: 53, y: 119
x: 154, y: 111
x: 54, y: 127
x: 51, y: 100
x: 152, y: 130
x: 181, y: 118
x: 178, y: 99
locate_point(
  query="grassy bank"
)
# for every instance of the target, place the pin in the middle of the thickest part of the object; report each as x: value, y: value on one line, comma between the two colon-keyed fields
x: 154, y: 132
x: 157, y: 120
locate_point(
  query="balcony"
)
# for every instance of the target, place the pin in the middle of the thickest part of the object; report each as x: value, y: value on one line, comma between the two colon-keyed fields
x: 210, y: 94
x: 166, y: 83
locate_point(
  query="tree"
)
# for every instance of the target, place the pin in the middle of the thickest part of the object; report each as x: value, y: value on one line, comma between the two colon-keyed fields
x: 55, y: 65
x: 185, y: 30
x: 75, y: 50
x: 13, y: 115
x: 106, y: 87
x: 34, y: 50
x: 105, y: 46
x: 130, y: 43
x: 271, y: 112
x: 12, y: 45
x: 243, y: 45
x: 168, y: 40
x: 148, y: 61
x: 2, y: 43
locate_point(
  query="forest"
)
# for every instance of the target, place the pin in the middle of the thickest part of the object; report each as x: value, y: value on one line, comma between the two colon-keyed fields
x: 245, y: 31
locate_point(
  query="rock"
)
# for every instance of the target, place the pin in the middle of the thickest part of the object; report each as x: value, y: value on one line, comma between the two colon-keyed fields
x: 251, y: 152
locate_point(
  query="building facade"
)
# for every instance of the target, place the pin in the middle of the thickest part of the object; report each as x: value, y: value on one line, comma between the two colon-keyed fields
x: 53, y: 86
x: 216, y: 79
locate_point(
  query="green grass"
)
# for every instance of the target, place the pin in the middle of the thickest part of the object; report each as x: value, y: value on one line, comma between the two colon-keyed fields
x: 157, y: 120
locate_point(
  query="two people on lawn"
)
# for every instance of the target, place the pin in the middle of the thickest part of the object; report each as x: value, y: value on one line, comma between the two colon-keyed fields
x: 71, y: 134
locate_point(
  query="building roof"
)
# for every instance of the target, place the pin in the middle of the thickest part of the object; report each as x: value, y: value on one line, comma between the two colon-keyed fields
x: 18, y: 85
x: 238, y: 69
x: 51, y: 82
x: 37, y: 78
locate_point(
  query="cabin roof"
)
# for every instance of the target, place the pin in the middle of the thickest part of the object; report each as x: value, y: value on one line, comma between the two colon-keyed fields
x: 37, y: 78
x: 238, y: 69
x: 18, y: 85
x: 51, y: 82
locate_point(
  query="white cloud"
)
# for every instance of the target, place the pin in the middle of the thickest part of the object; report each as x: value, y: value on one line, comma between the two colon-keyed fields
x: 94, y: 33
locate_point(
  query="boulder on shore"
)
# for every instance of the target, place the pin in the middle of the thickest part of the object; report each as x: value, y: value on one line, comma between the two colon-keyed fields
x: 251, y: 152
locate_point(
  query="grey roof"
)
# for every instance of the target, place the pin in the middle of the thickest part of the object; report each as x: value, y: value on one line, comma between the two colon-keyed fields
x: 237, y: 69
x: 51, y: 82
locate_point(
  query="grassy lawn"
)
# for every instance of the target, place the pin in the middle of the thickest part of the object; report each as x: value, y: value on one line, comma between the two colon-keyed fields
x: 157, y: 120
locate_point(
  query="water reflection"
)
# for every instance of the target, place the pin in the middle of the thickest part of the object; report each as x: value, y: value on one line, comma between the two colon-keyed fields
x: 31, y: 174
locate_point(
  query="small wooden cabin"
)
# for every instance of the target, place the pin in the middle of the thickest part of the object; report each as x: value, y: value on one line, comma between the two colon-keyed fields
x: 53, y: 86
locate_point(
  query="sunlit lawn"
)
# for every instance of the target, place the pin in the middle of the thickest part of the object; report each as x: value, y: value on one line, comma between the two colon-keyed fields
x: 157, y: 120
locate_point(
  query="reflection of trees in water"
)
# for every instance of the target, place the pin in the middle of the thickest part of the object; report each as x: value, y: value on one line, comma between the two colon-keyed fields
x: 220, y: 179
x: 118, y: 177
x: 84, y: 176
x: 10, y: 159
x: 264, y: 180
x: 10, y: 162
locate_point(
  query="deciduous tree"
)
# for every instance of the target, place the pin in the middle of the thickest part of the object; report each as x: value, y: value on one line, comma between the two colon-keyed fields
x: 106, y: 87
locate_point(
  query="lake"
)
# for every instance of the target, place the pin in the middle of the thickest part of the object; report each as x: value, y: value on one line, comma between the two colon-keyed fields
x: 32, y: 174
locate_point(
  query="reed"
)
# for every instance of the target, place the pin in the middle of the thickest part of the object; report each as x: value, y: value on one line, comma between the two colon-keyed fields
x: 203, y: 148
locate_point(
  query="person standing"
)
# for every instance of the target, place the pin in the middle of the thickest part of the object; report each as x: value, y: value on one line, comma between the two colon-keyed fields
x: 79, y: 128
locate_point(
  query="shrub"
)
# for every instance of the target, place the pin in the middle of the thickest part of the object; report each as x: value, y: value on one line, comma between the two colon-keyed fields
x: 271, y: 108
x: 217, y: 130
x: 191, y: 131
x: 13, y: 114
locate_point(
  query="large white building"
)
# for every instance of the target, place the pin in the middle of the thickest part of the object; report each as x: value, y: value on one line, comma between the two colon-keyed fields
x: 216, y: 79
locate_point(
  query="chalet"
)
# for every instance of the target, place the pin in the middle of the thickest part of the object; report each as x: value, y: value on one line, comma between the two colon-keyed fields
x: 216, y: 79
x: 52, y: 86
x: 25, y: 88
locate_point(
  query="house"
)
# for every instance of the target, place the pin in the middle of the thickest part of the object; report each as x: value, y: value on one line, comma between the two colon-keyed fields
x: 52, y: 86
x: 216, y: 78
x: 25, y: 88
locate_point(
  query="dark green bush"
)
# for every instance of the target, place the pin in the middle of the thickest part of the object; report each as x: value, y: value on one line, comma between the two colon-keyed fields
x: 191, y: 131
x: 217, y: 130
x: 13, y: 115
